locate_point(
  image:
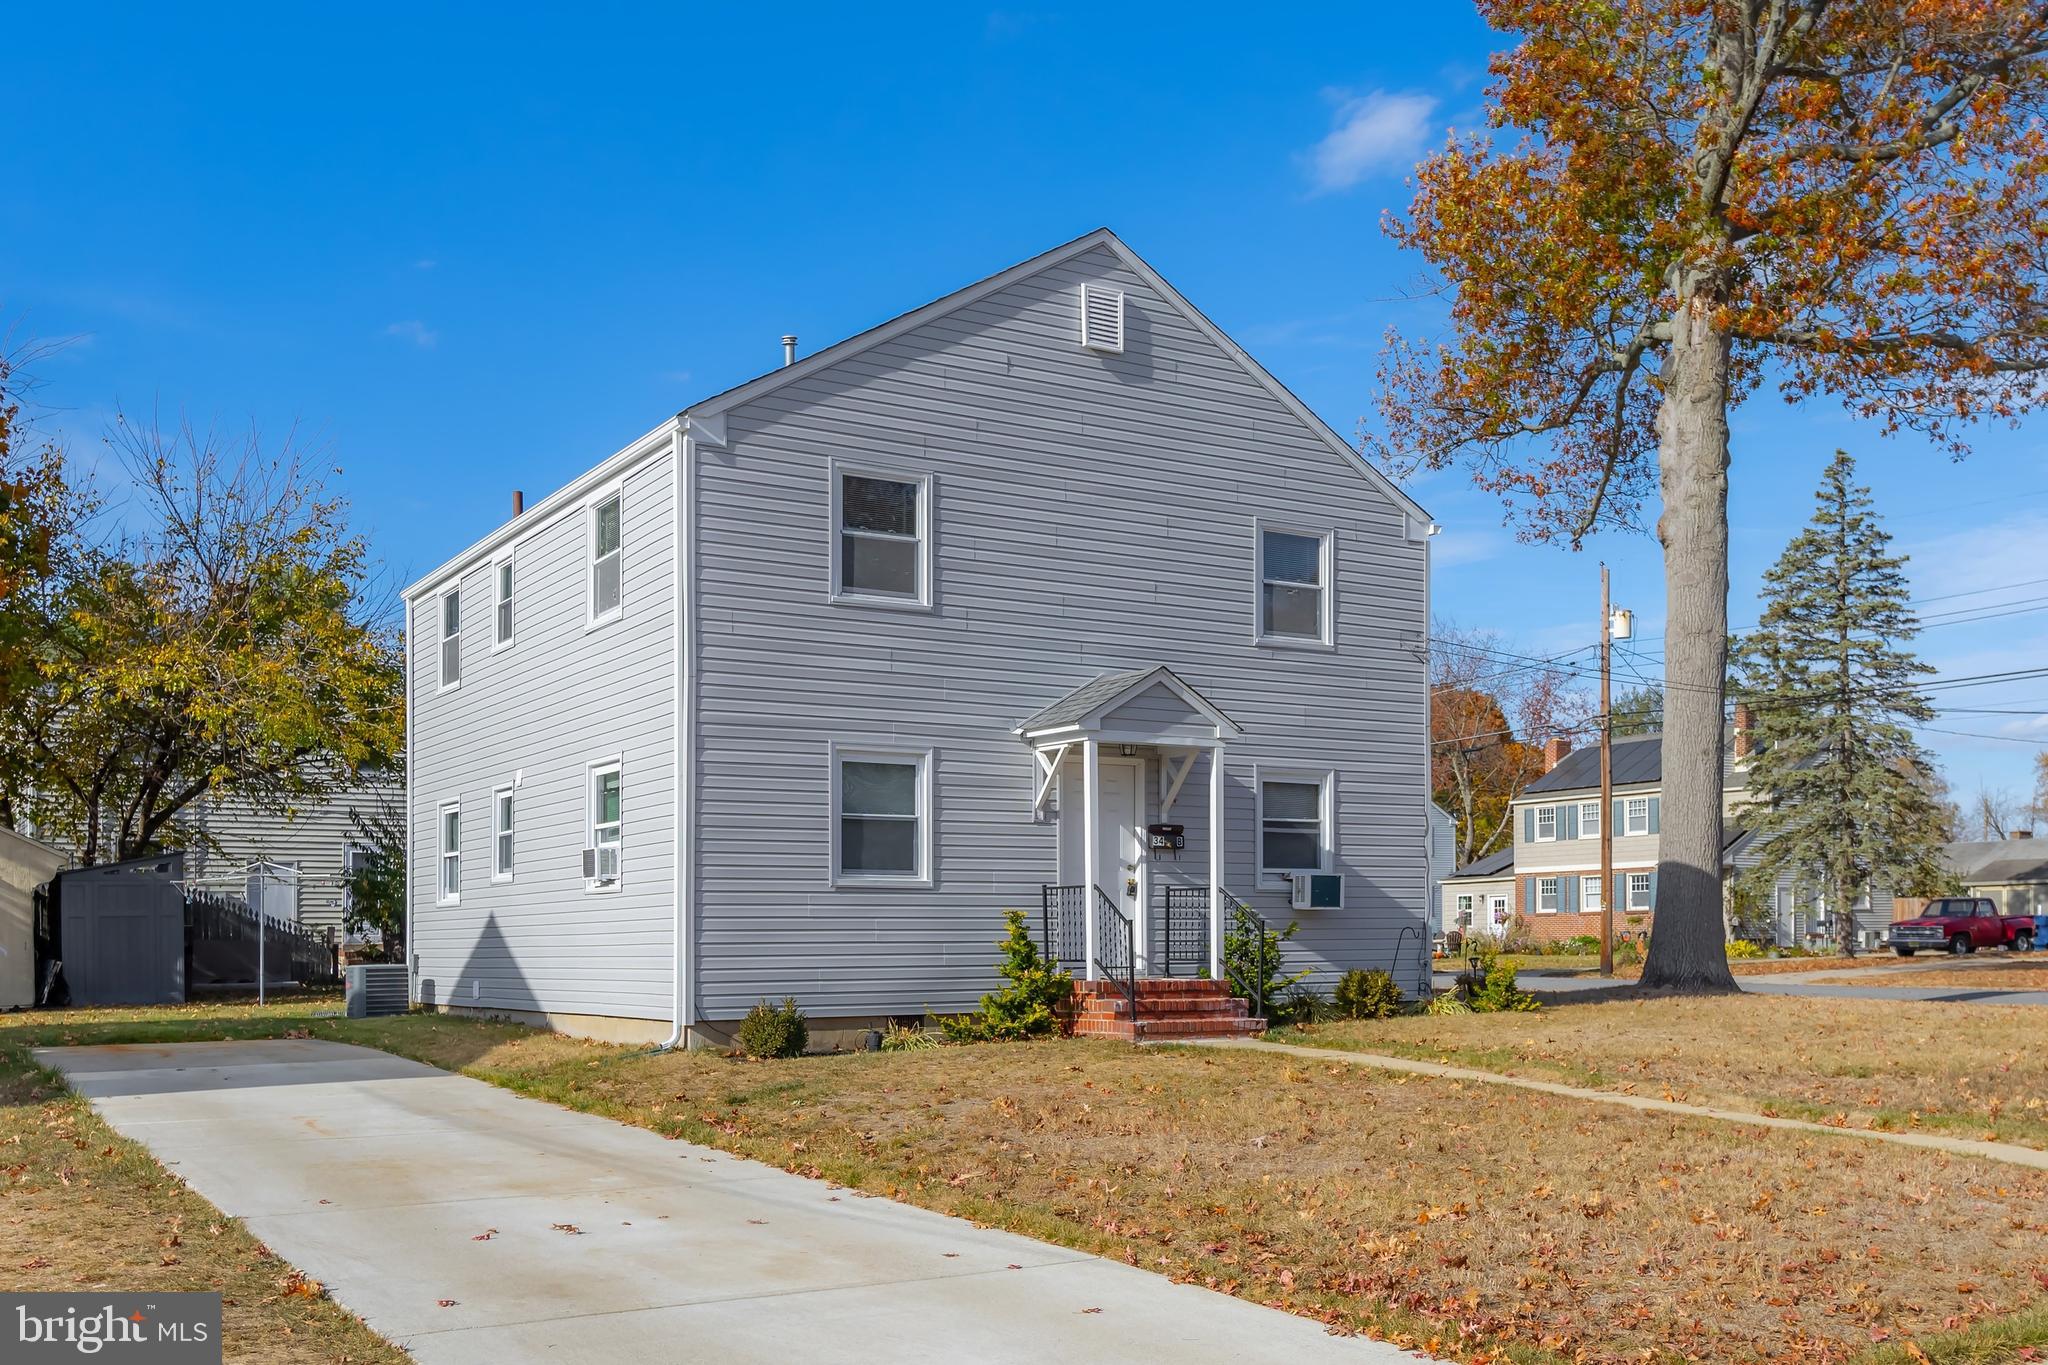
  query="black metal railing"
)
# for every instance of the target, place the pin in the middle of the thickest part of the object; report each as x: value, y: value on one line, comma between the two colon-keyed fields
x: 1184, y: 931
x: 1063, y: 926
x: 1115, y: 951
x: 1252, y: 965
x: 1423, y: 976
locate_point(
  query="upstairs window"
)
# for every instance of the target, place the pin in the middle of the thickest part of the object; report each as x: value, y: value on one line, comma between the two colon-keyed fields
x: 501, y: 591
x: 1293, y: 590
x: 883, y: 550
x: 1589, y: 819
x: 606, y: 584
x: 1546, y: 823
x: 1636, y: 815
x: 451, y: 637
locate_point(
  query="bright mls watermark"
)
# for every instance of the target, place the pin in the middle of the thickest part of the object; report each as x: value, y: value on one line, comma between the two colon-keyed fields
x: 165, y: 1329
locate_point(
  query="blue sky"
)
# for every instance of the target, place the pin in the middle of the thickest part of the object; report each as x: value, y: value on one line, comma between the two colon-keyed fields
x: 472, y: 249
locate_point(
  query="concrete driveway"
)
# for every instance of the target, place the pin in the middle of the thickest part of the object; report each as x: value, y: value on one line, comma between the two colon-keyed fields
x: 566, y: 1237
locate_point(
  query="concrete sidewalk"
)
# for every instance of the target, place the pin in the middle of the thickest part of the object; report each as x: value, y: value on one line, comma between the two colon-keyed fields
x: 570, y: 1238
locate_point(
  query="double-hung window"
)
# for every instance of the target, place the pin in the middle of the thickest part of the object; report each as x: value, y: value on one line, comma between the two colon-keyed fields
x: 1636, y: 815
x: 501, y: 602
x: 881, y: 816
x: 450, y: 889
x: 881, y: 527
x: 450, y: 608
x: 501, y: 835
x: 1589, y: 895
x: 607, y: 584
x: 1589, y: 819
x: 1546, y: 895
x: 1639, y: 891
x: 1294, y: 833
x: 1294, y: 597
x: 1546, y: 824
x: 604, y: 854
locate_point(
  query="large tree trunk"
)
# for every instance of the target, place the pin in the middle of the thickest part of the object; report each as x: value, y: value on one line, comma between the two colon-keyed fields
x: 1687, y: 952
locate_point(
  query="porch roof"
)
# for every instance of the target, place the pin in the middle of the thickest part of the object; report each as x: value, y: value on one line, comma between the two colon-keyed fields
x: 1082, y: 710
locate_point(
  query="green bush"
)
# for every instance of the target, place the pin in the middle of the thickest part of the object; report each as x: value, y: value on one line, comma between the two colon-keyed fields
x: 1576, y: 945
x: 1299, y: 1003
x: 1241, y: 959
x: 774, y: 1030
x: 1500, y: 994
x: 1367, y: 995
x: 1450, y: 1002
x: 1028, y: 1006
x: 1742, y: 947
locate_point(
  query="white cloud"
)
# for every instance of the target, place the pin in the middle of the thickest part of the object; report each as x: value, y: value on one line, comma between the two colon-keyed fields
x: 415, y: 331
x: 1371, y: 133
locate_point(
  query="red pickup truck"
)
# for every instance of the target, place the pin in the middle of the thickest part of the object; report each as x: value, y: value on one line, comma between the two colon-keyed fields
x: 1963, y: 924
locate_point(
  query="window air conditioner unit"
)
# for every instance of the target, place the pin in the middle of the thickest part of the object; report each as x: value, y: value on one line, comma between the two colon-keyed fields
x: 601, y: 864
x: 1316, y: 891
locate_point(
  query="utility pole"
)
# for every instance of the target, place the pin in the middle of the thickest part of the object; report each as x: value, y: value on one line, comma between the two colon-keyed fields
x: 1606, y: 780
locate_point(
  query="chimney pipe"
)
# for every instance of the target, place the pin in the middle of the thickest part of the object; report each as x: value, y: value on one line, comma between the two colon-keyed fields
x: 788, y: 348
x: 1745, y: 739
x: 518, y: 502
x: 1554, y: 751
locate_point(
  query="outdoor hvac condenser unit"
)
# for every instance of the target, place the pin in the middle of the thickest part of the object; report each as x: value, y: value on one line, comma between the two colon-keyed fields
x: 376, y: 988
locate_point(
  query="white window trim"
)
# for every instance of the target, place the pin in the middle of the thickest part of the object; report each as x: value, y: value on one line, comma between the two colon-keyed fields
x: 1326, y: 778
x: 1628, y: 816
x: 441, y: 683
x: 837, y: 753
x: 1590, y: 817
x: 1628, y: 887
x: 1464, y: 904
x: 1556, y: 894
x: 927, y: 491
x: 1326, y: 570
x: 1590, y: 882
x: 592, y: 886
x: 1541, y: 837
x: 498, y: 567
x: 499, y: 832
x: 442, y: 853
x: 591, y: 620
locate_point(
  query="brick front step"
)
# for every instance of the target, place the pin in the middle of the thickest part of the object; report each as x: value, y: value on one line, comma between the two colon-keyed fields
x: 1167, y: 1008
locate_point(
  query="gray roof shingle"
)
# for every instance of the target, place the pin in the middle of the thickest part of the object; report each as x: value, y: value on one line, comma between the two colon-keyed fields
x: 1492, y: 865
x: 1638, y: 758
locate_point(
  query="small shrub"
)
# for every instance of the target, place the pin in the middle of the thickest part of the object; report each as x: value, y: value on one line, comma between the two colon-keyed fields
x: 1500, y: 994
x: 1299, y: 1003
x: 1367, y: 995
x: 1742, y: 947
x: 1241, y: 966
x: 1576, y: 945
x: 904, y: 1038
x: 775, y: 1030
x: 1628, y: 953
x: 1025, y: 1008
x: 1450, y: 1002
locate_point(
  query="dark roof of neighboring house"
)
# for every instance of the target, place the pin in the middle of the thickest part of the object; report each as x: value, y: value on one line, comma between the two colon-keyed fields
x: 1998, y: 861
x: 1492, y: 865
x: 1638, y: 758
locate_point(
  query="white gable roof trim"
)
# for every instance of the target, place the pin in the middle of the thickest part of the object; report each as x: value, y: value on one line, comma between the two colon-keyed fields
x: 1082, y: 710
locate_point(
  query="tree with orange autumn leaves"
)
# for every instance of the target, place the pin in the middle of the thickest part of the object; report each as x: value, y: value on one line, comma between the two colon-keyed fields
x: 1489, y: 715
x: 1677, y: 203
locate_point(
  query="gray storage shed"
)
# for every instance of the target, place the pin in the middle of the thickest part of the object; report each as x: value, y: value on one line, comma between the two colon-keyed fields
x: 121, y: 932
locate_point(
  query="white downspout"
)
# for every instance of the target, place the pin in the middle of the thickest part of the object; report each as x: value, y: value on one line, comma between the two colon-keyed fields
x: 683, y: 734
x: 412, y: 953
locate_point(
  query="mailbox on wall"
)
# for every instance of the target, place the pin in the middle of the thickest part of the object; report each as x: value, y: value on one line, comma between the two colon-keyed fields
x: 1166, y: 838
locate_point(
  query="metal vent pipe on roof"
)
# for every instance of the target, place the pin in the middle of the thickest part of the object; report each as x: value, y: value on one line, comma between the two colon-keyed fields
x: 789, y: 348
x: 518, y: 502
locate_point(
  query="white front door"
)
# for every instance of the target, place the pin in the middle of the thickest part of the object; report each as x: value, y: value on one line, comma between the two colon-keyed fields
x: 1119, y: 814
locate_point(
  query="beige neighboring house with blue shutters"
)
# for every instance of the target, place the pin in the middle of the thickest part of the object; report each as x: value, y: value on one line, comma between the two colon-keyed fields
x: 1043, y: 596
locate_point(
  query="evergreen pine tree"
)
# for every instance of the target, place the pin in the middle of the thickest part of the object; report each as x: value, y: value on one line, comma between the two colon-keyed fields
x: 1839, y: 785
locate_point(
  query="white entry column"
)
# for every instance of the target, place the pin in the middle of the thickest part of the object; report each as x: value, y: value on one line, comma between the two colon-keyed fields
x: 1091, y: 846
x: 1216, y: 863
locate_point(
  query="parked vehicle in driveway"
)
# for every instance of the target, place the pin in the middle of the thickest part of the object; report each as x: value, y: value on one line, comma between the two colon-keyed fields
x: 1963, y: 924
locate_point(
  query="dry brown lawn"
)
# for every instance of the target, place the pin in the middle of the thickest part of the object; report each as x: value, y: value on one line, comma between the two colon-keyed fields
x: 1968, y: 1070
x: 85, y: 1209
x: 1471, y: 1220
x: 1994, y: 976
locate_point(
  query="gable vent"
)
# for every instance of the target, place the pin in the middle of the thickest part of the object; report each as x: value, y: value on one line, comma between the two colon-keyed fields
x: 1102, y: 318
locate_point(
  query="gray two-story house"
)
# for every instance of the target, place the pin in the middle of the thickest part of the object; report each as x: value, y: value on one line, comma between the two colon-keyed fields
x: 1042, y: 596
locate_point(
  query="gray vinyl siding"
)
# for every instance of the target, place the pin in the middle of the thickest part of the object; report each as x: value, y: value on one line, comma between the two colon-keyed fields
x: 1091, y: 513
x: 561, y: 697
x: 1157, y: 711
x: 313, y: 837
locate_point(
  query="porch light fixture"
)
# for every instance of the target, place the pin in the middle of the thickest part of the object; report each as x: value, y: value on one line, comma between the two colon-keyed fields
x: 1130, y: 751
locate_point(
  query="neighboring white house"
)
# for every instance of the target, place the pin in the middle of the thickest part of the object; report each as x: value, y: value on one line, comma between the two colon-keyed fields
x: 25, y: 865
x: 1042, y: 596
